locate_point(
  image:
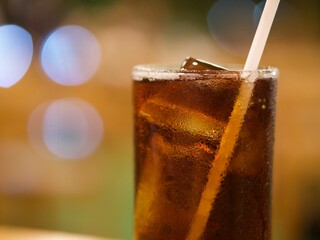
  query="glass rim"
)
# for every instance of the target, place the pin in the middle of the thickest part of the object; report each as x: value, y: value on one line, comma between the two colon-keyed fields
x: 154, y: 72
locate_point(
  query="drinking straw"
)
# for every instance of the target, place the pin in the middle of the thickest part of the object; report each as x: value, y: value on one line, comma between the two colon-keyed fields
x: 219, y: 166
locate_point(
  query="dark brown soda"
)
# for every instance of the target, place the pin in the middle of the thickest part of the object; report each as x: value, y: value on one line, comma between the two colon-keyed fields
x: 178, y: 127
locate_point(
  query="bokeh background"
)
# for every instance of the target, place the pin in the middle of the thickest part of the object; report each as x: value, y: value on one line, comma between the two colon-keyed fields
x: 66, y: 149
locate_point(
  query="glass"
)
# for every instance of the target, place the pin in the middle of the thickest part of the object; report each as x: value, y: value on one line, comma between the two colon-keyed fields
x: 180, y: 118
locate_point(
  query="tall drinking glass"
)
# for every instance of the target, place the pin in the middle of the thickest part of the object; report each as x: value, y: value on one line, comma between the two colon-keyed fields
x: 180, y: 117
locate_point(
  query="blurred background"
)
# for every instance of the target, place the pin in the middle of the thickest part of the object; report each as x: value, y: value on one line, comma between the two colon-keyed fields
x: 66, y: 149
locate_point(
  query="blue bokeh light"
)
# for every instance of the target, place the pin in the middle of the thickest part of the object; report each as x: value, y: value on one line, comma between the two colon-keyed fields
x: 70, y: 55
x: 71, y: 128
x: 16, y: 51
x: 231, y: 24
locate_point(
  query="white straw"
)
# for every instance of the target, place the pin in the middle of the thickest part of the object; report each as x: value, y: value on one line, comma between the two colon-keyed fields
x: 261, y: 35
x: 220, y: 164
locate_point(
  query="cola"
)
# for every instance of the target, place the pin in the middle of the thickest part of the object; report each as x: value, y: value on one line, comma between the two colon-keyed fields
x: 180, y: 117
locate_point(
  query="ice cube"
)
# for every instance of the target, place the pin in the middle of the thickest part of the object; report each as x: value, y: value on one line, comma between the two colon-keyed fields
x: 181, y: 119
x: 191, y: 63
x: 170, y: 185
x: 150, y: 181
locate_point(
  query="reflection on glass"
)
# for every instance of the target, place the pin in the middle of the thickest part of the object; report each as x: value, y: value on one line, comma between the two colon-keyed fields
x: 231, y: 25
x: 68, y: 128
x: 16, y: 50
x: 70, y: 55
